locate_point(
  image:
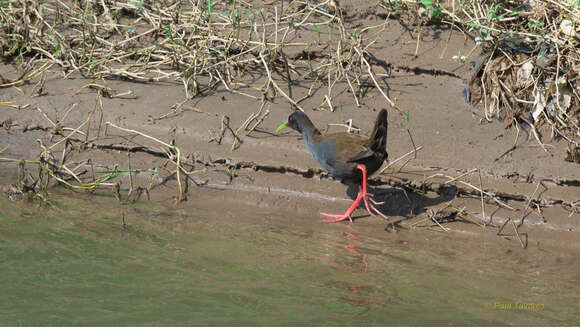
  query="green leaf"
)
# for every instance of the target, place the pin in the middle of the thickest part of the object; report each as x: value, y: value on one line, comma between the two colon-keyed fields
x: 437, y: 12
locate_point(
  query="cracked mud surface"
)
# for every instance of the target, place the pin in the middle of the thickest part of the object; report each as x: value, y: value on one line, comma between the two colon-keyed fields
x: 275, y: 171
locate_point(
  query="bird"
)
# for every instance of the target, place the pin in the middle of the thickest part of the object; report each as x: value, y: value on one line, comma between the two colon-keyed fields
x: 347, y: 157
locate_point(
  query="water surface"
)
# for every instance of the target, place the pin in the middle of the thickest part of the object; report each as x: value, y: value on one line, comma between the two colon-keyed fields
x: 74, y: 264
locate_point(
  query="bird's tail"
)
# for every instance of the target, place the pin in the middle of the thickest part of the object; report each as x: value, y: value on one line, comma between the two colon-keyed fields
x: 379, y: 134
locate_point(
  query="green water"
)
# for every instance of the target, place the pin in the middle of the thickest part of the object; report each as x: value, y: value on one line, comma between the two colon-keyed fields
x: 74, y: 264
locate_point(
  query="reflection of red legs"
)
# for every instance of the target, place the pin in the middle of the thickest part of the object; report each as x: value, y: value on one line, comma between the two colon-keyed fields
x: 362, y: 195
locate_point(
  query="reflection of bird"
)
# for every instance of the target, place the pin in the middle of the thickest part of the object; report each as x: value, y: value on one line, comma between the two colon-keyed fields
x: 346, y: 156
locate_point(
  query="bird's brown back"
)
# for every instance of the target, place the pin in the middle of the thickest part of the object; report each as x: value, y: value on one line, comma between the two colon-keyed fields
x: 352, y: 148
x: 346, y: 146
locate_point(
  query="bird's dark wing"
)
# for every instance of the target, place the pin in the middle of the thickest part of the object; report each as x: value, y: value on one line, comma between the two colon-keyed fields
x: 362, y: 155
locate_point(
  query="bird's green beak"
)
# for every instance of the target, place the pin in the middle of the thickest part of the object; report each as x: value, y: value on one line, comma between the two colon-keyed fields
x: 281, y: 127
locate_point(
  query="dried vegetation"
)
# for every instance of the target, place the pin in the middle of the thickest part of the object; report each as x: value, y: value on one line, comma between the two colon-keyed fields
x: 260, y: 51
x: 527, y: 74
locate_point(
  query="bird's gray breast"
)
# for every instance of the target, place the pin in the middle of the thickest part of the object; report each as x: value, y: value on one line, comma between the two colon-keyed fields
x: 325, y: 154
x: 322, y: 153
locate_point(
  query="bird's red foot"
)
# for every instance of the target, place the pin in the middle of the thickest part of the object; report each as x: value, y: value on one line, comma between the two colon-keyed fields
x: 347, y: 214
x: 370, y: 205
x: 364, y: 196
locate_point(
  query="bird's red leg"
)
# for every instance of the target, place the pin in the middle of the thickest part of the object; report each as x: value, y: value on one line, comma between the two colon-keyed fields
x: 369, y: 206
x: 363, y: 195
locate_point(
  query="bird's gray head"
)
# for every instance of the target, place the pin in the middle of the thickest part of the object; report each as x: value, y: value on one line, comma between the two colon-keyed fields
x: 298, y: 121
